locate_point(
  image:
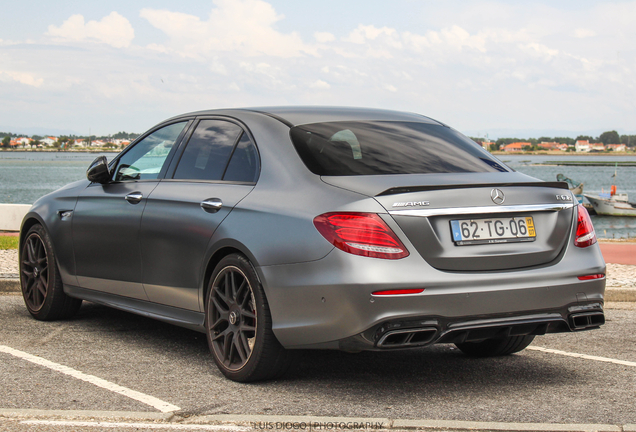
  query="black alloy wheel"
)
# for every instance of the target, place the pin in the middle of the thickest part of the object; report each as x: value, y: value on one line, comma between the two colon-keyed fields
x: 233, y: 318
x: 239, y: 324
x: 40, y: 279
x: 34, y: 272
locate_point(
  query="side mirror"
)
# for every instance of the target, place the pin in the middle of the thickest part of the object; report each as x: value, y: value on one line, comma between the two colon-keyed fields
x: 98, y: 172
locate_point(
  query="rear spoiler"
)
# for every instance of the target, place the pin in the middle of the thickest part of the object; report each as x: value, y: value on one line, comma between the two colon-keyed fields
x: 407, y: 189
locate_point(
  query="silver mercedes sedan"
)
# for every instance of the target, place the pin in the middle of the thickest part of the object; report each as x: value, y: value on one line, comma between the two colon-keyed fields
x: 274, y: 229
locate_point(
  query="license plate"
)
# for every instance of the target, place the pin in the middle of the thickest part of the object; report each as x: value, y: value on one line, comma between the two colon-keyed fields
x: 493, y: 230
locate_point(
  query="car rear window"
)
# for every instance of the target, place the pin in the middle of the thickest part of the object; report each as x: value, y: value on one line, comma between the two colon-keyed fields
x: 383, y: 147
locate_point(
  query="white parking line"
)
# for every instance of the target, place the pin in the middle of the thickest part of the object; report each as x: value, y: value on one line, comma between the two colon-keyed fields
x: 99, y: 382
x: 138, y: 426
x: 583, y: 356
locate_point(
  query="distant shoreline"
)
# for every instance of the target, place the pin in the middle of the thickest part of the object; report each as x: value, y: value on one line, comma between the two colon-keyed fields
x: 77, y: 150
x: 587, y: 163
x: 496, y: 153
x: 562, y: 153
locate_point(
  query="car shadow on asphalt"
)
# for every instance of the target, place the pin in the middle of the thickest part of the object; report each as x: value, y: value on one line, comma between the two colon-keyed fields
x: 437, y: 365
x: 140, y: 328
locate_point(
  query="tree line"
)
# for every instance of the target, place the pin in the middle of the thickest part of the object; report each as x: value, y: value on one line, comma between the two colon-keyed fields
x: 67, y: 140
x: 609, y: 137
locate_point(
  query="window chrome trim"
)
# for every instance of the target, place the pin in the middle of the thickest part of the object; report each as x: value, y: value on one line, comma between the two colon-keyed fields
x: 482, y: 210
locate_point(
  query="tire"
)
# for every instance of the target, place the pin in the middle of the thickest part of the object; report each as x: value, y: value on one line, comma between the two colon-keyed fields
x: 496, y: 346
x: 40, y: 279
x: 239, y: 324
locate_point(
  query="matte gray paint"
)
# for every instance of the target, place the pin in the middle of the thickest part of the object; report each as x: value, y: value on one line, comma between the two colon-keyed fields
x: 272, y: 224
x: 181, y: 317
x: 432, y: 239
x: 347, y: 281
x: 175, y: 234
x: 106, y: 237
x: 46, y: 211
x: 374, y: 185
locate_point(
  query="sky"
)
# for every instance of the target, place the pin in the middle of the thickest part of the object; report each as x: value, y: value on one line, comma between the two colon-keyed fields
x: 487, y: 68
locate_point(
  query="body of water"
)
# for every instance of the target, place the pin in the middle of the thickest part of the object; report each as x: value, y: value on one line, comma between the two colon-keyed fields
x: 26, y: 176
x: 596, y: 179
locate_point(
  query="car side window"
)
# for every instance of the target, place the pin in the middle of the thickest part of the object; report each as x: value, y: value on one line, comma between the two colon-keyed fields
x: 243, y: 166
x: 145, y: 160
x: 208, y: 151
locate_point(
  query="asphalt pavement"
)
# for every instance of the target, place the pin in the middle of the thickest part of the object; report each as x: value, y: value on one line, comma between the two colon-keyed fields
x: 106, y: 370
x: 575, y: 381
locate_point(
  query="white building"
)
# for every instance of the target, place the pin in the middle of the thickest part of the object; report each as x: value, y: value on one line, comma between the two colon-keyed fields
x: 582, y: 146
x: 48, y: 141
x: 617, y: 147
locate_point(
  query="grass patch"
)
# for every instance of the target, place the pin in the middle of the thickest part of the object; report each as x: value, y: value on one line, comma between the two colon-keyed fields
x: 9, y: 242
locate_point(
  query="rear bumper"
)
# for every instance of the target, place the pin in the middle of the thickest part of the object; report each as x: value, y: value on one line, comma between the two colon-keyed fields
x: 329, y: 303
x: 411, y: 333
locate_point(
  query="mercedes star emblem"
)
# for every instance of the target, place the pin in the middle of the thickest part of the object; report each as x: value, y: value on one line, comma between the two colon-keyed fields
x: 497, y: 196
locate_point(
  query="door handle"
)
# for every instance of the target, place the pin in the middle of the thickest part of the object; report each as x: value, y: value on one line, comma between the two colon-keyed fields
x: 134, y: 197
x: 212, y: 205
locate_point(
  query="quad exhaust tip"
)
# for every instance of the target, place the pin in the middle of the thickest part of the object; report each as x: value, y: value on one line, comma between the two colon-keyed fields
x: 586, y: 320
x: 407, y: 337
x: 413, y: 337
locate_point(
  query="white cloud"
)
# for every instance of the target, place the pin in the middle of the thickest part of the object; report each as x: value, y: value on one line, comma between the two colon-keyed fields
x: 584, y: 33
x: 218, y: 67
x: 114, y: 30
x: 320, y: 84
x: 22, y: 78
x: 444, y: 61
x: 324, y: 37
x: 459, y: 38
x: 386, y: 41
x: 540, y: 50
x: 237, y: 26
x: 157, y: 48
x: 365, y: 33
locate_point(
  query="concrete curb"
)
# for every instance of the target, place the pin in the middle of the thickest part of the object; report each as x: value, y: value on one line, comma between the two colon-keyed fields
x: 11, y: 285
x: 11, y: 216
x: 262, y: 422
x: 620, y: 294
x: 497, y: 426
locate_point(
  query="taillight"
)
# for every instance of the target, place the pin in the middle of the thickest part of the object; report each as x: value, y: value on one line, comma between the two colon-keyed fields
x: 585, y: 235
x: 363, y: 234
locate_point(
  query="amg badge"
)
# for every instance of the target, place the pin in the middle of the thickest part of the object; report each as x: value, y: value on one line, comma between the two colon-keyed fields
x: 411, y: 204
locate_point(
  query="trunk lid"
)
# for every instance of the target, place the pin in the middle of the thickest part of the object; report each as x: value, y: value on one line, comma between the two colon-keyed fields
x: 474, y: 221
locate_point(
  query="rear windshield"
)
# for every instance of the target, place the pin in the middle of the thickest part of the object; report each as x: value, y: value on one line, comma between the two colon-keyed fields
x: 378, y: 147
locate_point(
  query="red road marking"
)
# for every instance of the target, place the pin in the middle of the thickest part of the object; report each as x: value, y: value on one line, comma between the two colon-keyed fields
x: 619, y: 253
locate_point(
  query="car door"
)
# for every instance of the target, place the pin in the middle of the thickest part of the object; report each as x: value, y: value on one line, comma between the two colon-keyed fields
x: 107, y: 216
x: 217, y: 169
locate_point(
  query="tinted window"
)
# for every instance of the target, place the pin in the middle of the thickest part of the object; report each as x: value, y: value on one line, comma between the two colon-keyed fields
x: 368, y: 148
x: 146, y: 158
x: 243, y: 166
x: 208, y: 151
